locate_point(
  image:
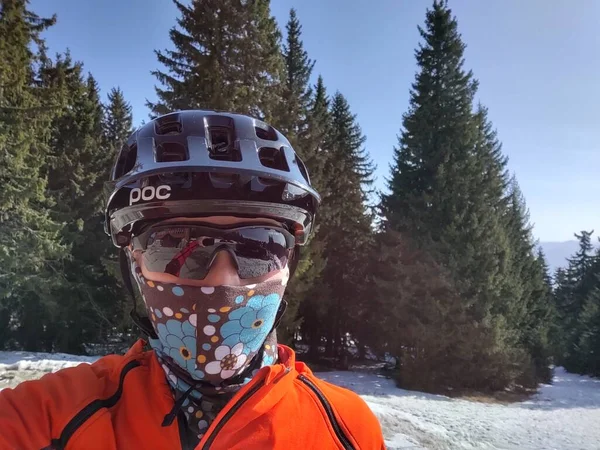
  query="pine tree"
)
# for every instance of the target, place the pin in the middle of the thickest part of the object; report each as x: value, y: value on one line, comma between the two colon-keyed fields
x: 319, y: 127
x: 415, y: 315
x: 80, y: 163
x: 545, y: 320
x: 541, y: 256
x: 227, y: 57
x: 587, y: 350
x: 538, y: 321
x: 117, y: 128
x: 313, y: 310
x: 578, y: 303
x: 577, y: 284
x: 75, y: 180
x: 292, y: 120
x: 520, y: 262
x: 580, y: 269
x: 560, y: 296
x: 303, y: 117
x: 437, y: 128
x: 297, y: 120
x: 31, y: 251
x: 575, y: 300
x: 118, y: 120
x: 447, y: 195
x: 346, y: 228
x: 439, y: 193
x: 526, y: 296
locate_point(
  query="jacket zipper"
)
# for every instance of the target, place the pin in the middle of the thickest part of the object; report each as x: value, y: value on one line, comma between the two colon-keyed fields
x: 184, y: 432
x: 92, y: 408
x: 329, y: 410
x: 231, y: 412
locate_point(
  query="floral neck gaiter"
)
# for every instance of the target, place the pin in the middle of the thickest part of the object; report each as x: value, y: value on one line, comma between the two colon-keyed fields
x: 211, y: 339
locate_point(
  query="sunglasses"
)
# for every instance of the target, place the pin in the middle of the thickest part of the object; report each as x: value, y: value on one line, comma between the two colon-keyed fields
x: 188, y: 251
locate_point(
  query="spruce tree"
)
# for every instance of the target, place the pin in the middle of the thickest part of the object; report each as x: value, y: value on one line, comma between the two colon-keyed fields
x: 578, y: 284
x: 303, y: 117
x: 442, y: 192
x: 560, y: 296
x: 31, y: 251
x: 80, y: 163
x: 297, y: 94
x: 517, y: 290
x: 543, y: 320
x: 528, y: 305
x: 580, y: 267
x: 437, y: 129
x: 227, y: 57
x: 116, y: 130
x: 586, y: 352
x: 447, y: 196
x: 297, y: 121
x: 541, y: 257
x: 319, y: 126
x: 118, y: 120
x: 78, y: 160
x: 575, y: 303
x: 415, y: 315
x: 346, y: 228
x: 313, y: 310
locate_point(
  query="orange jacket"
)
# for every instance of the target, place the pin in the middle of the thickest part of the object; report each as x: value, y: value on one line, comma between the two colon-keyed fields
x: 119, y: 402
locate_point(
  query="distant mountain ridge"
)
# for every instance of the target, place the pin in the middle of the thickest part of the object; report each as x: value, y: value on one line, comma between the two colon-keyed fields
x: 558, y: 252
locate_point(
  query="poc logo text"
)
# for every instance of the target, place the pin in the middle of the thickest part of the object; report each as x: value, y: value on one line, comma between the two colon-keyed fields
x: 149, y: 193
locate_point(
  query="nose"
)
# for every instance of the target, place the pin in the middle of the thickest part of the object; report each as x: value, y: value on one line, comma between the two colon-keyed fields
x: 222, y: 271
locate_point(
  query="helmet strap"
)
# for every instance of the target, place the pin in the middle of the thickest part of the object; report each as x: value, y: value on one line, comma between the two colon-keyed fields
x: 293, y: 263
x: 143, y: 323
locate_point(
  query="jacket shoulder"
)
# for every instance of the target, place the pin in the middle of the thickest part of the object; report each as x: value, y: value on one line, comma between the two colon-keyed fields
x: 35, y: 412
x: 352, y: 411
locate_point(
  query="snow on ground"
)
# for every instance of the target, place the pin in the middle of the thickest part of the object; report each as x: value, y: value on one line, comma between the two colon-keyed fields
x: 16, y: 367
x: 562, y: 416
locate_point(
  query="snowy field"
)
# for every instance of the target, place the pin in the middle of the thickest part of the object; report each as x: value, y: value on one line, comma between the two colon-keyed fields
x: 564, y: 415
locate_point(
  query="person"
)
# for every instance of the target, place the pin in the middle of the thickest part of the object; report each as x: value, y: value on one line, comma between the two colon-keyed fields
x: 209, y: 210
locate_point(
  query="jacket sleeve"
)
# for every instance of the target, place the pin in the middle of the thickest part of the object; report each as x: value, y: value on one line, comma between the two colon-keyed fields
x: 25, y: 421
x: 35, y: 412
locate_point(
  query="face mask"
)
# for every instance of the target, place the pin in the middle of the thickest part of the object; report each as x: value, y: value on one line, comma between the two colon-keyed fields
x: 212, y: 334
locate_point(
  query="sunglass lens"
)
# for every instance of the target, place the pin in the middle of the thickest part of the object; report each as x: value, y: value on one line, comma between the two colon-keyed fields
x: 188, y: 251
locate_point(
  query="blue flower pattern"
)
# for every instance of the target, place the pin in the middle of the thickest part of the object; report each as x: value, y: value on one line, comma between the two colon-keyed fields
x: 179, y: 342
x: 250, y: 324
x: 183, y: 323
x: 267, y: 360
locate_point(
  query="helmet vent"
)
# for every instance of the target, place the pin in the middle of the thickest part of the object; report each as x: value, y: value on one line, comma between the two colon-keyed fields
x: 267, y: 134
x: 169, y: 124
x: 126, y: 160
x: 273, y: 158
x: 170, y: 152
x: 303, y: 170
x: 221, y: 144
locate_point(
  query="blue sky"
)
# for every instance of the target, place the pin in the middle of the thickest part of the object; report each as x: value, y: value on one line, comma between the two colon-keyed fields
x: 536, y: 60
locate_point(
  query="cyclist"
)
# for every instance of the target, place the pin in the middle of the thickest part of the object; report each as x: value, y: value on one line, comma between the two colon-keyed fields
x: 209, y: 210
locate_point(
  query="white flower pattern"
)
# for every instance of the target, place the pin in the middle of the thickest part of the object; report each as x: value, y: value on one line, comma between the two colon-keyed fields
x: 227, y: 361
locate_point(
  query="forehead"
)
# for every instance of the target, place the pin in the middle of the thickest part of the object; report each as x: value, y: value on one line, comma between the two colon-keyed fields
x: 225, y: 220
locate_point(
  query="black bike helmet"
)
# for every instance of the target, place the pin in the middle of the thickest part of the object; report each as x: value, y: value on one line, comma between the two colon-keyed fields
x: 203, y: 163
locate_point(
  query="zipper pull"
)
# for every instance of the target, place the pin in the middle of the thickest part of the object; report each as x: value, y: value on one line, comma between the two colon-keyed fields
x: 169, y: 418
